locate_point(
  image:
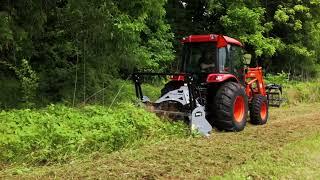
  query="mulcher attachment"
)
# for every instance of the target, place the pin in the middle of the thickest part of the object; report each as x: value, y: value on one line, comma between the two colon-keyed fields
x: 183, y: 97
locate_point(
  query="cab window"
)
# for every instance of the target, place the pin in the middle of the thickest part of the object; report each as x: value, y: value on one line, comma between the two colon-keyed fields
x: 235, y: 56
x: 224, y: 63
x: 199, y: 57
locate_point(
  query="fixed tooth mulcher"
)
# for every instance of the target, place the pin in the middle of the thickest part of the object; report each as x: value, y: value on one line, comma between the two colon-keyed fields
x: 214, y: 87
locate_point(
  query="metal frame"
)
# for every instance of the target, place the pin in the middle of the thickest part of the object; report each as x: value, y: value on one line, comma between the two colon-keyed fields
x: 185, y: 95
x: 274, y: 95
x: 188, y: 79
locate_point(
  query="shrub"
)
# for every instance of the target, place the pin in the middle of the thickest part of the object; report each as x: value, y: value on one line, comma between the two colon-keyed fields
x: 296, y: 92
x: 302, y: 92
x: 279, y: 78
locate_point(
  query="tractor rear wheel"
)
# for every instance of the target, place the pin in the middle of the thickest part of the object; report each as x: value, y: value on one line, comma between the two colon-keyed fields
x: 259, y: 110
x: 230, y: 108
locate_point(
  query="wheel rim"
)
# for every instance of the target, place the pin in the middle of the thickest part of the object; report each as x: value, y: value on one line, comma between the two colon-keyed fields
x: 239, y: 109
x: 263, y: 112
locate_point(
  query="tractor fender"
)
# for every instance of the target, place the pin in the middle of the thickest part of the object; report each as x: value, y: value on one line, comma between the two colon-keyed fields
x: 218, y: 78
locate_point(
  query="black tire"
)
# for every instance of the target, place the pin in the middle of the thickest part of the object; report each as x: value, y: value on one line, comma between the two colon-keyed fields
x: 224, y: 115
x: 170, y: 86
x: 259, y: 110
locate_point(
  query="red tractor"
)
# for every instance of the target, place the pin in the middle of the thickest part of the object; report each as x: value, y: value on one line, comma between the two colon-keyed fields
x: 214, y: 86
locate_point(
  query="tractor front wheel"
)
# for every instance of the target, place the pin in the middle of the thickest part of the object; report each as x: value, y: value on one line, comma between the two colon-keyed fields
x: 259, y: 110
x: 230, y: 107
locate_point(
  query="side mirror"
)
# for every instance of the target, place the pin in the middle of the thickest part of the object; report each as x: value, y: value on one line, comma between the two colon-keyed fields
x: 247, y: 59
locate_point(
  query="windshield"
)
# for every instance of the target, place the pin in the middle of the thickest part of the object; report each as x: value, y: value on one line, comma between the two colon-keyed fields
x: 199, y: 57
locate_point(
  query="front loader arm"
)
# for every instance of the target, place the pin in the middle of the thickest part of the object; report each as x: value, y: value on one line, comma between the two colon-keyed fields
x: 254, y: 82
x: 256, y: 85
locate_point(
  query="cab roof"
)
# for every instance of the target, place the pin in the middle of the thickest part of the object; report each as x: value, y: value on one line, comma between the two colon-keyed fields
x: 209, y: 38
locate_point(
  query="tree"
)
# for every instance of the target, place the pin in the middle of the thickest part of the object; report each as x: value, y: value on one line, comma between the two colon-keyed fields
x: 94, y: 40
x: 280, y: 34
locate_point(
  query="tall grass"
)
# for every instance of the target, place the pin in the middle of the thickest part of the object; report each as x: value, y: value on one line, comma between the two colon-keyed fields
x: 123, y: 91
x: 302, y: 92
x: 58, y: 133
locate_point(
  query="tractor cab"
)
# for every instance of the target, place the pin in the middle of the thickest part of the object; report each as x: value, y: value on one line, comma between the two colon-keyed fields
x: 212, y: 54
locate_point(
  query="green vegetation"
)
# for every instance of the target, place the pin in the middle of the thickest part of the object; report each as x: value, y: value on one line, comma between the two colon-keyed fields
x: 299, y: 92
x: 295, y: 92
x: 58, y: 133
x: 77, y: 48
x: 288, y: 144
x: 65, y: 51
x: 123, y: 91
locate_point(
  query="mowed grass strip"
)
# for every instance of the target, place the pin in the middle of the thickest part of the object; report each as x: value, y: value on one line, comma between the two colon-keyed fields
x: 193, y: 158
x: 297, y: 160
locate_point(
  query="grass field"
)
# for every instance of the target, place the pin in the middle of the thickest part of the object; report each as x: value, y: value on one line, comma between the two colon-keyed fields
x: 288, y: 147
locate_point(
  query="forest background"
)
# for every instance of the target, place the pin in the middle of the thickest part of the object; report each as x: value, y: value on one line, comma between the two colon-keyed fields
x: 80, y: 51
